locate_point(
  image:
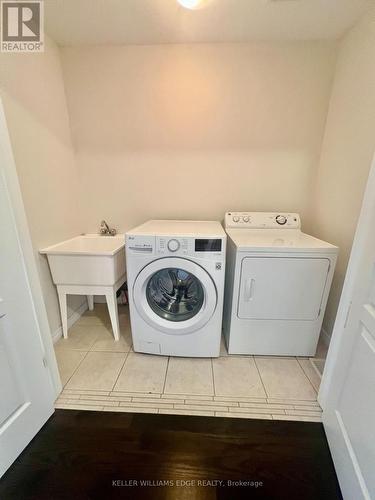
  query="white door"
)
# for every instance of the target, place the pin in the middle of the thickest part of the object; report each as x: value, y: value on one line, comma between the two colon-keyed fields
x: 347, y: 393
x: 282, y: 288
x: 26, y: 390
x: 175, y: 295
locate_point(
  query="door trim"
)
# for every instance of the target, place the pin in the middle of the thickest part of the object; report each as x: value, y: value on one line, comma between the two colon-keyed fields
x: 16, y: 201
x: 343, y: 312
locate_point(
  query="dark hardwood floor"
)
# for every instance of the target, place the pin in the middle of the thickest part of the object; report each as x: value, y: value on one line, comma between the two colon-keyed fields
x: 100, y: 455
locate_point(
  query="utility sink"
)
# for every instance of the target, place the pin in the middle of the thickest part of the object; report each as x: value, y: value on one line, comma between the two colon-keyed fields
x: 88, y: 260
x: 88, y: 265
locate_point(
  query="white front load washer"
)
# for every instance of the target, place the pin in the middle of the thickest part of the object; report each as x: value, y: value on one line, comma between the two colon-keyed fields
x: 176, y: 274
x: 277, y: 284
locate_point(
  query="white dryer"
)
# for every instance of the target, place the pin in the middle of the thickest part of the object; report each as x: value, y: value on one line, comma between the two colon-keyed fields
x: 277, y: 284
x: 176, y: 273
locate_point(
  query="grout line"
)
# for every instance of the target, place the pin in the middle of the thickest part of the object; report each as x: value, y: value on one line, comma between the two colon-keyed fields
x: 165, y: 376
x: 213, y: 377
x: 260, y: 376
x: 74, y: 371
x: 119, y: 373
x: 305, y: 374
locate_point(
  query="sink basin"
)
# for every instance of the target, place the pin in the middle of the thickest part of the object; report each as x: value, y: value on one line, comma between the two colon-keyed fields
x: 87, y: 260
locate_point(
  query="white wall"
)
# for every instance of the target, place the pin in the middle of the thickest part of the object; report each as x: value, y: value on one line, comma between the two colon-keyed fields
x: 190, y: 131
x: 31, y: 87
x: 348, y: 148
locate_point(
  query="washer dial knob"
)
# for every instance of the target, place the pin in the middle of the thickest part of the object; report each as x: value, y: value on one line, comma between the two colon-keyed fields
x: 246, y: 218
x: 173, y: 245
x: 281, y: 219
x: 235, y: 218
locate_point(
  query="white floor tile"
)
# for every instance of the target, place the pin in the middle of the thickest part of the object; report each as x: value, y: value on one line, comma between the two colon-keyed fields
x: 256, y: 410
x: 284, y: 378
x: 141, y: 399
x: 106, y: 342
x: 141, y: 394
x: 97, y: 402
x: 125, y: 409
x: 188, y: 412
x: 258, y: 416
x: 267, y: 406
x: 298, y: 418
x: 291, y: 401
x: 200, y: 407
x: 98, y: 371
x: 63, y: 406
x: 69, y: 392
x: 303, y: 408
x: 68, y: 361
x: 305, y: 413
x: 222, y: 404
x: 188, y: 397
x: 64, y: 395
x: 189, y: 376
x: 239, y: 398
x: 142, y: 373
x: 237, y: 377
x: 159, y: 404
x: 310, y: 372
x: 81, y: 338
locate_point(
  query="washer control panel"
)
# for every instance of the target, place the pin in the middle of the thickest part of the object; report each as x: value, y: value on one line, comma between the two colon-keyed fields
x: 172, y: 245
x: 262, y: 220
x: 167, y: 246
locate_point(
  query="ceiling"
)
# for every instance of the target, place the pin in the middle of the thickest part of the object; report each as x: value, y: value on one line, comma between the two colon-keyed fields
x: 86, y: 22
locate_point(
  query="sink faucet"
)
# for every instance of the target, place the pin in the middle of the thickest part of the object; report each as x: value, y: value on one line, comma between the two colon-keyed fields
x: 105, y: 230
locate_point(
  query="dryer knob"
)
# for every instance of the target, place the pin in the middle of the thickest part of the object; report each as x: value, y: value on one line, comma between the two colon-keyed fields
x: 235, y: 218
x: 246, y: 218
x: 281, y: 219
x: 173, y: 245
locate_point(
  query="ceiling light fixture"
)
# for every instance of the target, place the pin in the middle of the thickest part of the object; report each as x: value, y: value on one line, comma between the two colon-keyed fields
x: 192, y: 4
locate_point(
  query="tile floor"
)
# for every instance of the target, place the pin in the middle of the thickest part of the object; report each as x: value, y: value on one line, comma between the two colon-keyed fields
x: 100, y: 374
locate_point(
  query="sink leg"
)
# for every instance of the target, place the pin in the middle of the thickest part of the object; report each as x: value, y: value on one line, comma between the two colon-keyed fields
x: 63, y: 312
x: 113, y: 313
x: 90, y: 302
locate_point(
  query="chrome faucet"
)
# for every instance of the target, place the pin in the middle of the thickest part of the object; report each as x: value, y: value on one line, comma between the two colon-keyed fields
x: 105, y: 230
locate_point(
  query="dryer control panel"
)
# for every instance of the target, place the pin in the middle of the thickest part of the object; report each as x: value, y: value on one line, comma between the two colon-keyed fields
x: 262, y: 220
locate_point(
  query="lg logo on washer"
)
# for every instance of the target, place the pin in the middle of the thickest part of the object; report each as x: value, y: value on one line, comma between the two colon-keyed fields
x: 140, y: 244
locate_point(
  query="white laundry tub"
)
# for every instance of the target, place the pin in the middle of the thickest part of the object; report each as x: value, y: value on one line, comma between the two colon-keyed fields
x: 87, y: 260
x: 88, y: 265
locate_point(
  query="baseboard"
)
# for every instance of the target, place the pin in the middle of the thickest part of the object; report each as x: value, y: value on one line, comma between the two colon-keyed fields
x: 326, y: 337
x: 58, y: 333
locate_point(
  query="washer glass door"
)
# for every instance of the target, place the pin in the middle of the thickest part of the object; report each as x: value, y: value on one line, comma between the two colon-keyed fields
x: 175, y: 294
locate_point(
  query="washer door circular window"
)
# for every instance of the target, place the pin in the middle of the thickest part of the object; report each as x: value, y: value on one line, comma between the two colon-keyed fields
x: 175, y: 295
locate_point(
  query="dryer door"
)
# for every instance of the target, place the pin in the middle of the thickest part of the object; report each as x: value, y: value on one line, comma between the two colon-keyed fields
x: 175, y: 295
x: 282, y: 288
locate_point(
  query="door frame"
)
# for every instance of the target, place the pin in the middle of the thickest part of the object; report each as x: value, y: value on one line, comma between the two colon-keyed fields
x: 16, y: 201
x: 364, y: 220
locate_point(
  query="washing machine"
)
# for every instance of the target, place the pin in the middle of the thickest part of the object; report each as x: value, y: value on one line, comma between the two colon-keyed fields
x: 277, y: 284
x: 176, y: 274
